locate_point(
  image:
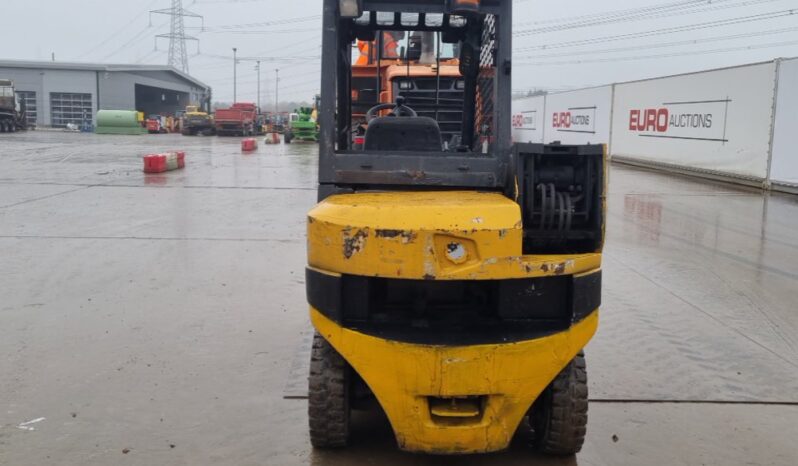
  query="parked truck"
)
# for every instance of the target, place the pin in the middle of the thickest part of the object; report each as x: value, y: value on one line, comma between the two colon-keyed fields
x: 238, y: 120
x: 12, y: 109
x: 195, y: 121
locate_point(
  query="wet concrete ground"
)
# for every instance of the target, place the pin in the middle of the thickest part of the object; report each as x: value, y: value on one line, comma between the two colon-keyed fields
x: 154, y: 319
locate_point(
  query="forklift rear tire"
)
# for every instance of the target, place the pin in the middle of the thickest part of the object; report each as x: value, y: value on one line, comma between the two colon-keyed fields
x: 328, y: 400
x: 559, y: 415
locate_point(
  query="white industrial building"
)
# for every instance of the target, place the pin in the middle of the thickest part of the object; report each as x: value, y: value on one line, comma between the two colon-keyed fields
x: 57, y: 93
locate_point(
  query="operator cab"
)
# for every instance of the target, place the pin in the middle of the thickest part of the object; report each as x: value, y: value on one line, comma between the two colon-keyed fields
x: 425, y: 80
x: 425, y: 109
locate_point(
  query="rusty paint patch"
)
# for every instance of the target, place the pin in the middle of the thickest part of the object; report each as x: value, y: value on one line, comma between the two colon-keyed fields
x: 429, y: 276
x: 355, y: 243
x: 311, y: 219
x: 502, y: 233
x: 406, y: 236
x: 560, y: 268
x: 544, y: 267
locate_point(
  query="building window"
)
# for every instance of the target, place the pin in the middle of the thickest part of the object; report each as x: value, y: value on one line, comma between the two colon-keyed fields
x: 29, y: 97
x: 70, y: 108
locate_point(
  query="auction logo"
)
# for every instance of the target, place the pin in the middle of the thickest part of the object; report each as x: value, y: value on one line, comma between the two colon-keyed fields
x: 526, y: 121
x: 703, y: 120
x: 575, y: 120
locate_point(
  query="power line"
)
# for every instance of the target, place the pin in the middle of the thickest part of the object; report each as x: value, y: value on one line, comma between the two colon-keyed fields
x: 264, y: 59
x: 131, y: 41
x: 262, y: 32
x: 269, y: 52
x: 656, y: 32
x: 667, y: 55
x: 664, y: 44
x: 211, y: 2
x: 279, y: 22
x: 613, y: 13
x: 148, y: 55
x: 314, y: 80
x: 651, y: 11
x: 678, y: 12
x: 116, y: 32
x: 313, y: 38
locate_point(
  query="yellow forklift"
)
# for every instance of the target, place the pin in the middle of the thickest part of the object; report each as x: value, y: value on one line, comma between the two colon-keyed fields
x: 454, y: 280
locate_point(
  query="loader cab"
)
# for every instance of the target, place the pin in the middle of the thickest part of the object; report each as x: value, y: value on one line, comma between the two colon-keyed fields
x: 448, y: 75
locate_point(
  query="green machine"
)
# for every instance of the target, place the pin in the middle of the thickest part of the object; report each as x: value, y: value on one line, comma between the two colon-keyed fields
x: 119, y: 122
x: 303, y: 126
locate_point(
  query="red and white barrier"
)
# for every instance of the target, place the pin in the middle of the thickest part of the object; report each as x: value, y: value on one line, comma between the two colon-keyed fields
x: 249, y: 144
x: 159, y: 163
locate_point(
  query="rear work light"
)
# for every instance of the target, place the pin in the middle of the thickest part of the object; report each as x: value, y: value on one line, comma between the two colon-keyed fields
x: 459, y: 84
x: 350, y: 8
x: 464, y: 6
x: 405, y: 85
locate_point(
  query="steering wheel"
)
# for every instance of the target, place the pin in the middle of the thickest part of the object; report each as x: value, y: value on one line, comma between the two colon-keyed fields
x: 398, y: 109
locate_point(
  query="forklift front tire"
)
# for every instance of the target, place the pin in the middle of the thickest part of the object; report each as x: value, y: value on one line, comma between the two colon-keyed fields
x: 559, y: 415
x: 328, y: 400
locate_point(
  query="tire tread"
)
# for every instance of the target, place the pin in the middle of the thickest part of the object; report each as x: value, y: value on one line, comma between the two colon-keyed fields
x: 328, y: 401
x: 560, y: 414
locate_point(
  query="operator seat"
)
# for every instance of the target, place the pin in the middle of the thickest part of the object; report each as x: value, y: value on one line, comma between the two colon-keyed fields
x: 392, y: 133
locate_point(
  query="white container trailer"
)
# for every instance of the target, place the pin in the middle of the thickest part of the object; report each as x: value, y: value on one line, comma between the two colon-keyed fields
x: 784, y: 166
x: 579, y: 117
x: 527, y: 119
x: 716, y: 123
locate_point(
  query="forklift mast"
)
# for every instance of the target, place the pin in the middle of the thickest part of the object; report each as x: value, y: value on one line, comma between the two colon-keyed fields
x: 481, y: 157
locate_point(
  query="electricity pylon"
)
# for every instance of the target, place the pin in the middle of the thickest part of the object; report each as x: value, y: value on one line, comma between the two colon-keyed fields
x: 178, y: 56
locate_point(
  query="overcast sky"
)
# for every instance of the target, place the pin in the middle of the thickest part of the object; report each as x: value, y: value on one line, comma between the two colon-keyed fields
x: 558, y: 44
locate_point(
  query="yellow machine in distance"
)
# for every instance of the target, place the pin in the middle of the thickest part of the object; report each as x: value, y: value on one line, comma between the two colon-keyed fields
x: 195, y: 121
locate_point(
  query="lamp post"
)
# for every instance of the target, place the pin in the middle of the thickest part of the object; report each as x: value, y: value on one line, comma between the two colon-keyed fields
x: 257, y: 67
x: 276, y: 91
x: 235, y: 77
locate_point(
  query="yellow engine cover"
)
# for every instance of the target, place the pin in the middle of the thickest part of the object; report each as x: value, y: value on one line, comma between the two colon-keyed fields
x: 409, y: 235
